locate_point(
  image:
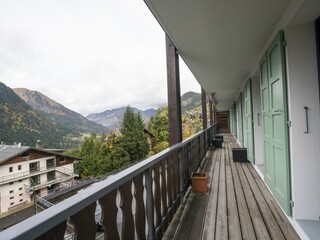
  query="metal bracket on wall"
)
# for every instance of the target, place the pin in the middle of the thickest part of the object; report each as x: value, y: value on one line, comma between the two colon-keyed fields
x: 292, y: 203
x: 307, y: 124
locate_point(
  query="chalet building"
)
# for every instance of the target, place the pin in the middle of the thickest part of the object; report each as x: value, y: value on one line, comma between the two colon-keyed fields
x: 259, y: 64
x: 25, y: 171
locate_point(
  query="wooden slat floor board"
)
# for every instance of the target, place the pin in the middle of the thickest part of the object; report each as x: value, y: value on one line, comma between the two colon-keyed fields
x: 238, y: 205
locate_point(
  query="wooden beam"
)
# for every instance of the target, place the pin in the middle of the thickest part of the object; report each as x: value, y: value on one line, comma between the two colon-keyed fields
x: 211, y: 112
x: 204, y: 109
x: 174, y: 99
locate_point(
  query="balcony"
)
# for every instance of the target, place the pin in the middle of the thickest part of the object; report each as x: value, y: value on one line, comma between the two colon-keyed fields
x: 238, y: 204
x: 53, y: 179
x: 149, y: 193
x: 25, y: 174
x: 141, y: 202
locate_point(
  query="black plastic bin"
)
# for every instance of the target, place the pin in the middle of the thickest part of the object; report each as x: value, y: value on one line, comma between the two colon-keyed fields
x: 219, y: 137
x: 217, y: 143
x: 239, y: 154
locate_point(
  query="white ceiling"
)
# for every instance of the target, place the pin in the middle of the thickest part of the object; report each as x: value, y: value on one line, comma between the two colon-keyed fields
x: 220, y: 40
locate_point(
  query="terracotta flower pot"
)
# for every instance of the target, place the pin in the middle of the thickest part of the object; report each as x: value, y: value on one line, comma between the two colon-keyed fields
x: 199, y: 182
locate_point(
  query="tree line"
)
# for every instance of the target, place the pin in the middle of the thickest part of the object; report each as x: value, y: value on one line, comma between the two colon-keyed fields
x: 129, y: 144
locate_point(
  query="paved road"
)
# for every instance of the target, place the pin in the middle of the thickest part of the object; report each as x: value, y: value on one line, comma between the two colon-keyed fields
x: 14, y: 218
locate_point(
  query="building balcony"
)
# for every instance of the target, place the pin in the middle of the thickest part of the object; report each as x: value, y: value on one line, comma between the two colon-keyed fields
x: 146, y: 200
x: 26, y: 174
x: 67, y: 175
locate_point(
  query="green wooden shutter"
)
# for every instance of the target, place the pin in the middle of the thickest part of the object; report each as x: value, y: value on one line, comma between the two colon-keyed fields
x: 240, y: 120
x: 274, y: 118
x: 247, y: 98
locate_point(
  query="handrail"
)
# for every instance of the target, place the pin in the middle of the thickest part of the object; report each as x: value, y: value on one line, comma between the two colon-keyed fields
x: 31, y: 172
x: 162, y: 172
x: 43, y: 183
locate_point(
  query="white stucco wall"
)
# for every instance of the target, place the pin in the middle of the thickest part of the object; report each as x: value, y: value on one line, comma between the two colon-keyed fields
x: 258, y: 136
x: 304, y: 148
x: 19, y: 196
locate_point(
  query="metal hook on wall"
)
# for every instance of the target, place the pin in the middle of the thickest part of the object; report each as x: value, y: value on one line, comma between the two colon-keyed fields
x: 307, y: 121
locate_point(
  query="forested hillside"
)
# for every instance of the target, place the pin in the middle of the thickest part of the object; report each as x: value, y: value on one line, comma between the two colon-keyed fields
x: 20, y: 123
x: 74, y: 122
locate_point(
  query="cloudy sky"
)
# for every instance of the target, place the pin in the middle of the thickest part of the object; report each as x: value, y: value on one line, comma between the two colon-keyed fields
x: 87, y: 55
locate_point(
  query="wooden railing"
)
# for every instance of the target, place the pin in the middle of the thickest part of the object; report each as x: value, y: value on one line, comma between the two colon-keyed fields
x: 137, y: 203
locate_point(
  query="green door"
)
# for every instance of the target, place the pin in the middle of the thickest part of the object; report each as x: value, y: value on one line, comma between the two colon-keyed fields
x: 231, y: 121
x: 240, y: 120
x: 247, y: 98
x: 275, y: 127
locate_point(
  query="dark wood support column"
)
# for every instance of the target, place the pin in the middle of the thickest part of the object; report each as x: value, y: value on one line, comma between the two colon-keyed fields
x: 174, y: 99
x: 215, y: 114
x: 204, y: 109
x: 211, y: 112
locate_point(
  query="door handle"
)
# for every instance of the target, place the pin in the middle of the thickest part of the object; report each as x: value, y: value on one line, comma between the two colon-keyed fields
x: 307, y: 120
x: 278, y: 111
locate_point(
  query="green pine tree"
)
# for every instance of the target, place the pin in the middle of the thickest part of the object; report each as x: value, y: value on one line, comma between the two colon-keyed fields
x: 159, y: 126
x: 133, y: 144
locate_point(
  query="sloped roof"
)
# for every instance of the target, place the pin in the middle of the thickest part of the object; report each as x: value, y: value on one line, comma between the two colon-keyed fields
x: 9, y: 151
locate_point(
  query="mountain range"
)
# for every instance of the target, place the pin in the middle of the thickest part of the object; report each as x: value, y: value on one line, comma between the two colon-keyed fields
x: 21, y: 123
x: 112, y: 118
x: 190, y: 100
x: 59, y: 114
x: 26, y: 116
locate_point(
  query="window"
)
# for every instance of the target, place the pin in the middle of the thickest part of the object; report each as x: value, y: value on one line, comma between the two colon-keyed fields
x: 34, y: 166
x: 11, y: 191
x: 25, y: 154
x: 20, y: 189
x: 10, y: 169
x: 19, y: 167
x: 11, y: 198
x: 21, y: 200
x: 20, y: 194
x: 12, y: 203
x: 35, y: 180
x: 51, y: 176
x: 10, y: 183
x: 50, y: 163
x: 20, y: 180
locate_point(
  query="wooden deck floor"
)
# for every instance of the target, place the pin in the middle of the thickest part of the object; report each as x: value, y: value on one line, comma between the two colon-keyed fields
x: 238, y: 204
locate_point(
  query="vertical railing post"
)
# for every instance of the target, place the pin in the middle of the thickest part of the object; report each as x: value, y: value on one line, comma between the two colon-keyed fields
x: 150, y: 209
x: 199, y: 156
x: 181, y: 173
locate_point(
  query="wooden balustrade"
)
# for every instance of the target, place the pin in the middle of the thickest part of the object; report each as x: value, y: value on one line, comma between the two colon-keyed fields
x: 137, y: 203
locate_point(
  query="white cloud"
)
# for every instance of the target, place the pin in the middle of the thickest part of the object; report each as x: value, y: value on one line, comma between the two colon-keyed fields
x: 87, y: 55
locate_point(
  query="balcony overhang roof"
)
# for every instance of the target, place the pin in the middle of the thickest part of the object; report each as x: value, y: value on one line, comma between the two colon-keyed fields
x: 223, y: 41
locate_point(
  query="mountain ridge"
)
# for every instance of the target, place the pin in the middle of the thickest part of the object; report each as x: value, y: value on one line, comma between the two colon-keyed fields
x: 112, y: 118
x: 59, y: 113
x: 21, y: 123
